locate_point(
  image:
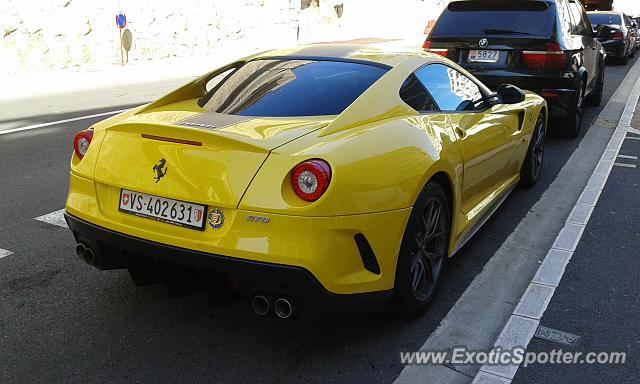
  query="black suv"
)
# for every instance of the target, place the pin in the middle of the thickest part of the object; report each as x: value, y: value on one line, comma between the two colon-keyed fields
x: 548, y: 47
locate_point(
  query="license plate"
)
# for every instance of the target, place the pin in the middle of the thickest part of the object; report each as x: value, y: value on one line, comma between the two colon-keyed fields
x: 176, y: 212
x: 481, y: 56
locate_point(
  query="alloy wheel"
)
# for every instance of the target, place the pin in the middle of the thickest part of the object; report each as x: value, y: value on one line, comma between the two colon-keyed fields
x: 579, y: 106
x: 538, y: 149
x: 428, y: 256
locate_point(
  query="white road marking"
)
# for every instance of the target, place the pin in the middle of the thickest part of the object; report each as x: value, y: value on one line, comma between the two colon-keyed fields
x: 54, y: 218
x: 628, y: 157
x: 4, y: 253
x: 41, y: 125
x: 632, y: 138
x: 625, y: 165
x: 526, y: 317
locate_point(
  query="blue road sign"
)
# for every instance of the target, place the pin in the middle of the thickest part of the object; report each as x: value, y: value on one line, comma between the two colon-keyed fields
x: 121, y: 20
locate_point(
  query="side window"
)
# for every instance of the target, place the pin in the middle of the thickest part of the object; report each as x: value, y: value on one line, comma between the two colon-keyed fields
x: 416, y: 96
x: 450, y: 89
x: 579, y: 27
x: 579, y: 18
x: 587, y: 22
x: 563, y: 15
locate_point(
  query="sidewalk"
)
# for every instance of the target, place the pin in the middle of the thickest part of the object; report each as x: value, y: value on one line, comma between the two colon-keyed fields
x: 598, y: 298
x: 108, y: 75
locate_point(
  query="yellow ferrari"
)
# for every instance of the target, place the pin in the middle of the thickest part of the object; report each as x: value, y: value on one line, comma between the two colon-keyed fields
x: 319, y: 177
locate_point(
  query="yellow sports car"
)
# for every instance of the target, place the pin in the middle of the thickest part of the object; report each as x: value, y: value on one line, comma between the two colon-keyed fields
x: 320, y: 177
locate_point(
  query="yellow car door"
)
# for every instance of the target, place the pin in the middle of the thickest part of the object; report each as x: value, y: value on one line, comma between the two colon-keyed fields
x: 486, y: 143
x: 486, y: 140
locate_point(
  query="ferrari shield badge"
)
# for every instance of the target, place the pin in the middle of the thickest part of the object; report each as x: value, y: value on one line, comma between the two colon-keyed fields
x: 216, y: 218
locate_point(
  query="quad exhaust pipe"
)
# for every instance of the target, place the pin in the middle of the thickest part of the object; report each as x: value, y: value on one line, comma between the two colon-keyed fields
x: 85, y: 253
x: 260, y: 305
x: 283, y: 308
x: 263, y: 305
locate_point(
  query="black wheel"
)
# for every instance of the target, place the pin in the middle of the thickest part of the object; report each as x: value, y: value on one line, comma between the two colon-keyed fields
x: 595, y: 98
x: 570, y: 126
x: 423, y: 252
x: 624, y: 60
x: 532, y: 164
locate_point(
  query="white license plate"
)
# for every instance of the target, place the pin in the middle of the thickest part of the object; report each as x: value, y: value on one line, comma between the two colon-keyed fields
x: 482, y: 56
x: 170, y: 211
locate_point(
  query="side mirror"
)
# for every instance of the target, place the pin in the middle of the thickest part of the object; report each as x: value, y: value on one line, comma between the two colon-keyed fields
x: 603, y: 32
x: 510, y: 94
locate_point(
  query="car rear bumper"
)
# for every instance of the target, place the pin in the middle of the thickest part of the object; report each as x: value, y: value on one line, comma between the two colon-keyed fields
x: 329, y: 248
x: 558, y: 90
x: 115, y: 250
x: 614, y: 48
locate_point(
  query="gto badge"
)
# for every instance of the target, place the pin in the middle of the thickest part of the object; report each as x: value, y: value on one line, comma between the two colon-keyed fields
x: 216, y: 218
x: 483, y: 43
x: 258, y: 219
x: 160, y: 169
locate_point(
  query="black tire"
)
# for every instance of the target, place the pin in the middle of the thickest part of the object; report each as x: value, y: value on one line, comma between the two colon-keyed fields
x: 624, y: 60
x: 570, y: 126
x: 424, y: 250
x: 532, y: 164
x: 595, y: 98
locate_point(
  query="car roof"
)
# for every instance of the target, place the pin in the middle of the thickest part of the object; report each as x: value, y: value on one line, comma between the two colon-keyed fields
x: 381, y: 55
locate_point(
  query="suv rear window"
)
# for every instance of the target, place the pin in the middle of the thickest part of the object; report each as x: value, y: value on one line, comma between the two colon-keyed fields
x: 277, y: 88
x: 605, y: 19
x: 481, y: 18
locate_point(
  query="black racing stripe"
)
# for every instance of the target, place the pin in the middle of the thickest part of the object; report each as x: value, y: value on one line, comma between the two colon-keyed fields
x: 329, y: 50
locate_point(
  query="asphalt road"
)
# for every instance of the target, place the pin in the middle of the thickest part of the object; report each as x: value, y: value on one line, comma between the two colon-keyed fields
x: 61, y: 320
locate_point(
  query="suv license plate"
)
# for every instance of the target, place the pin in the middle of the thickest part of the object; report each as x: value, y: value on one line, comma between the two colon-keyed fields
x: 483, y: 56
x: 176, y: 212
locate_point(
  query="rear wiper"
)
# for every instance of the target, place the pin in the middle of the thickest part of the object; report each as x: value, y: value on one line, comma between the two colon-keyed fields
x: 504, y: 32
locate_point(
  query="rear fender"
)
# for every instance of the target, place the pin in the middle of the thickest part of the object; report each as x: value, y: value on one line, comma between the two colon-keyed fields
x: 377, y: 167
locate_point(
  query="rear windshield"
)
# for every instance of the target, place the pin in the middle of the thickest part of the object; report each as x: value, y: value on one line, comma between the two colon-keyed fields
x: 292, y: 88
x: 605, y: 19
x: 482, y: 18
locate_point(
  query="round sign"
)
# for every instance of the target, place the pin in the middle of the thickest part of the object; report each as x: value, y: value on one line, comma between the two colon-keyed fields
x: 127, y: 40
x: 121, y: 20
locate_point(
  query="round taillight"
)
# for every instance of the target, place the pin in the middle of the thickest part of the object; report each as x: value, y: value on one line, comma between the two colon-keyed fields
x: 81, y: 142
x: 311, y: 179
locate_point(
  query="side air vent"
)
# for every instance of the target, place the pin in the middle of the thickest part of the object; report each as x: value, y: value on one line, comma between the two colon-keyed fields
x: 366, y: 253
x: 521, y: 116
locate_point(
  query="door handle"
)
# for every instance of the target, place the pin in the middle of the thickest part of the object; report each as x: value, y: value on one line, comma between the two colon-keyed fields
x: 460, y: 132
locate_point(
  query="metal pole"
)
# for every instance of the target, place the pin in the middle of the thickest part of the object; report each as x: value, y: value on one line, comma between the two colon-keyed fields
x: 121, y: 49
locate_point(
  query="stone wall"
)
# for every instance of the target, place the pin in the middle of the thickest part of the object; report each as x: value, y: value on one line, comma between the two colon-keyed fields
x: 43, y: 35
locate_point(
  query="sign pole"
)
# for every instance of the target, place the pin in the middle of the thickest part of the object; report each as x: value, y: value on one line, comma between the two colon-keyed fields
x: 121, y: 22
x: 121, y: 49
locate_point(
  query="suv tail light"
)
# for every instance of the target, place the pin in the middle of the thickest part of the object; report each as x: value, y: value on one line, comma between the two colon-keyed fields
x: 439, y: 51
x: 618, y: 35
x: 81, y: 142
x: 311, y: 179
x: 553, y: 57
